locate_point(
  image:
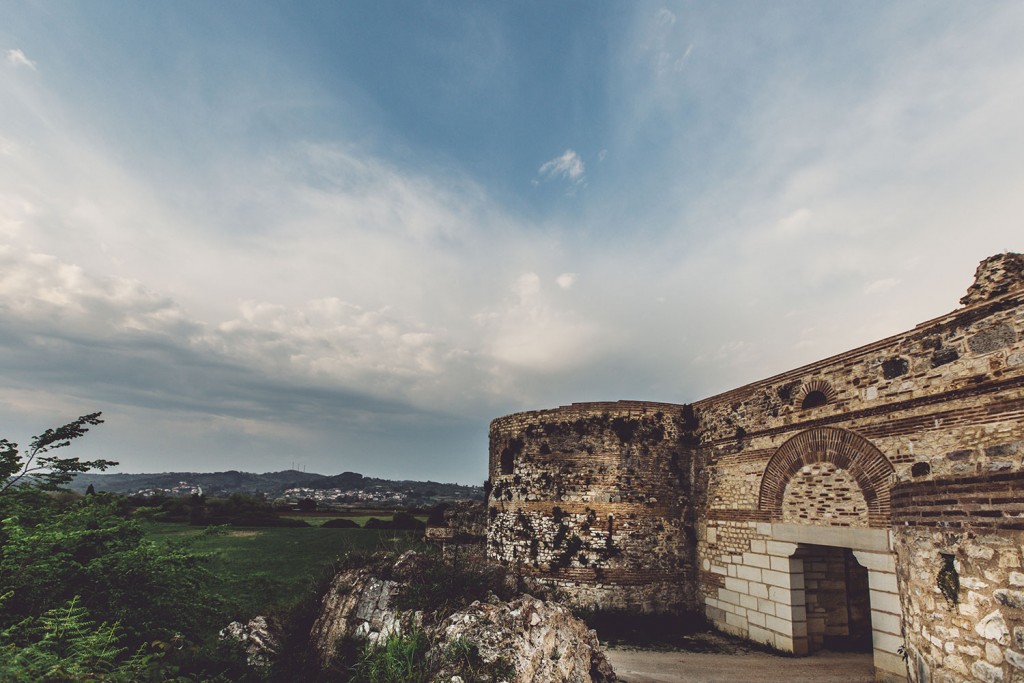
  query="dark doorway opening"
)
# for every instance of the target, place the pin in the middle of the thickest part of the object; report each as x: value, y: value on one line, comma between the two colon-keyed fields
x: 837, y: 600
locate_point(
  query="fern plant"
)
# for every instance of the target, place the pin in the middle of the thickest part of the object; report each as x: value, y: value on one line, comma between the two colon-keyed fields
x: 65, y: 644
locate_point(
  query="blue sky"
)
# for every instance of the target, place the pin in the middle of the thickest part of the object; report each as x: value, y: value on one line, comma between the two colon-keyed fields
x: 347, y: 235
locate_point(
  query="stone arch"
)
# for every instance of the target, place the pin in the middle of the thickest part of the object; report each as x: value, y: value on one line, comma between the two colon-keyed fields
x: 844, y: 449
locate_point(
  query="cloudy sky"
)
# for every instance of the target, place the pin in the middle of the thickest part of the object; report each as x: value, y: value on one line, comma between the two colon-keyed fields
x: 345, y: 235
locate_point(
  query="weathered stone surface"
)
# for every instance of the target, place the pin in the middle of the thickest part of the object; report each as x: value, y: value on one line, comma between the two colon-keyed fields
x: 528, y: 639
x: 357, y: 606
x: 992, y: 338
x: 535, y: 640
x: 260, y: 641
x: 468, y: 520
x: 995, y: 276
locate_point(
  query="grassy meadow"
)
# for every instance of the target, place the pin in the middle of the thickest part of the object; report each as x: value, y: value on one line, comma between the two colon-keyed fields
x: 270, y: 570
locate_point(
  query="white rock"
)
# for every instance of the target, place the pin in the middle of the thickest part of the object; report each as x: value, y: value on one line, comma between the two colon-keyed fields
x: 993, y: 627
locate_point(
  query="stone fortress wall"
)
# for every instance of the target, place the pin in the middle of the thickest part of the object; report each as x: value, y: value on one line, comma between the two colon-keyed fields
x: 874, y: 499
x: 595, y: 498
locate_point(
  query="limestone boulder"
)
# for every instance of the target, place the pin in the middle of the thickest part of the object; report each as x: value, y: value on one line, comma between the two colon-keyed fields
x: 519, y: 640
x: 257, y: 637
x: 358, y: 607
x: 523, y: 640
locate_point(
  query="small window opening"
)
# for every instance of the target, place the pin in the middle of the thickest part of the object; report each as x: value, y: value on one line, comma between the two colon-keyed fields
x: 813, y: 399
x: 507, y: 461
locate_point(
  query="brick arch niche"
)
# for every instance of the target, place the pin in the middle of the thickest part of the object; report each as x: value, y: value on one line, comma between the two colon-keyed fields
x: 842, y: 448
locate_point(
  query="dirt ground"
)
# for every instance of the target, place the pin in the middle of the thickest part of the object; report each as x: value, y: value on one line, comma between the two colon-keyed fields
x: 651, y: 666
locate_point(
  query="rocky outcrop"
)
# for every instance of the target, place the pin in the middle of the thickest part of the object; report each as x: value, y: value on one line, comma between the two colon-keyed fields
x: 260, y: 641
x: 524, y: 639
x: 527, y: 640
x: 359, y: 606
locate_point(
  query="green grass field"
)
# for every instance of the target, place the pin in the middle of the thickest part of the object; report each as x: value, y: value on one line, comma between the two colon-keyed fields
x: 269, y: 570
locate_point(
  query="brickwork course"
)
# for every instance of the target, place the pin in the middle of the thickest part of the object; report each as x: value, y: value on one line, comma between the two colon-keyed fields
x: 873, y: 500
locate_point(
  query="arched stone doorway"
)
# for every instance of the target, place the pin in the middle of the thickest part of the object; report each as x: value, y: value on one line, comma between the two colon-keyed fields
x: 825, y: 494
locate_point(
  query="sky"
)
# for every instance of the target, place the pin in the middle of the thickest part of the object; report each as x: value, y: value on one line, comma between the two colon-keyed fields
x: 344, y: 236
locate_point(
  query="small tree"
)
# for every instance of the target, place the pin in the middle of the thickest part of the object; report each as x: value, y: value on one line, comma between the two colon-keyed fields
x: 48, y: 472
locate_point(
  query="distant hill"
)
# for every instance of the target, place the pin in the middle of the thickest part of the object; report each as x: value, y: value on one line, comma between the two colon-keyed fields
x: 274, y: 484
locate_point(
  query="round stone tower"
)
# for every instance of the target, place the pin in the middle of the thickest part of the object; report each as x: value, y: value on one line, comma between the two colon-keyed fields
x: 593, y: 498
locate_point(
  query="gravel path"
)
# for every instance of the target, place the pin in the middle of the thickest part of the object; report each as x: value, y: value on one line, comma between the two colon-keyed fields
x: 647, y: 666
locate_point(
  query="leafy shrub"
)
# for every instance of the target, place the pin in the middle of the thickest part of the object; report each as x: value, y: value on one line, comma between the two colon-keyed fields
x: 90, y: 551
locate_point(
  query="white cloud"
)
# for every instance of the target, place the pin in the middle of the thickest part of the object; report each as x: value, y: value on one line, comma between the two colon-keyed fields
x: 568, y: 166
x: 530, y: 335
x: 566, y: 280
x: 883, y: 285
x: 664, y: 17
x: 795, y: 223
x: 18, y: 58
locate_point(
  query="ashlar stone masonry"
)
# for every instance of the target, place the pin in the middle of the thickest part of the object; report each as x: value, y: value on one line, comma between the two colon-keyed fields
x: 873, y: 500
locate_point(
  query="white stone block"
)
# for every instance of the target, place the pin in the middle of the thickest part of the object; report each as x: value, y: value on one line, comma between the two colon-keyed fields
x: 737, y: 586
x: 749, y: 573
x: 881, y: 561
x: 774, y: 578
x: 987, y: 673
x: 736, y: 621
x: 882, y: 581
x: 728, y: 596
x: 780, y: 548
x: 783, y: 642
x: 748, y: 602
x: 993, y: 627
x: 758, y: 590
x: 1015, y: 659
x: 883, y: 621
x: 764, y: 529
x: 890, y: 663
x: 886, y: 642
x: 783, y: 626
x: 766, y: 606
x: 780, y: 595
x: 761, y: 635
x: 756, y: 560
x: 885, y: 602
x: 757, y: 547
x: 779, y: 564
x: 755, y: 618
